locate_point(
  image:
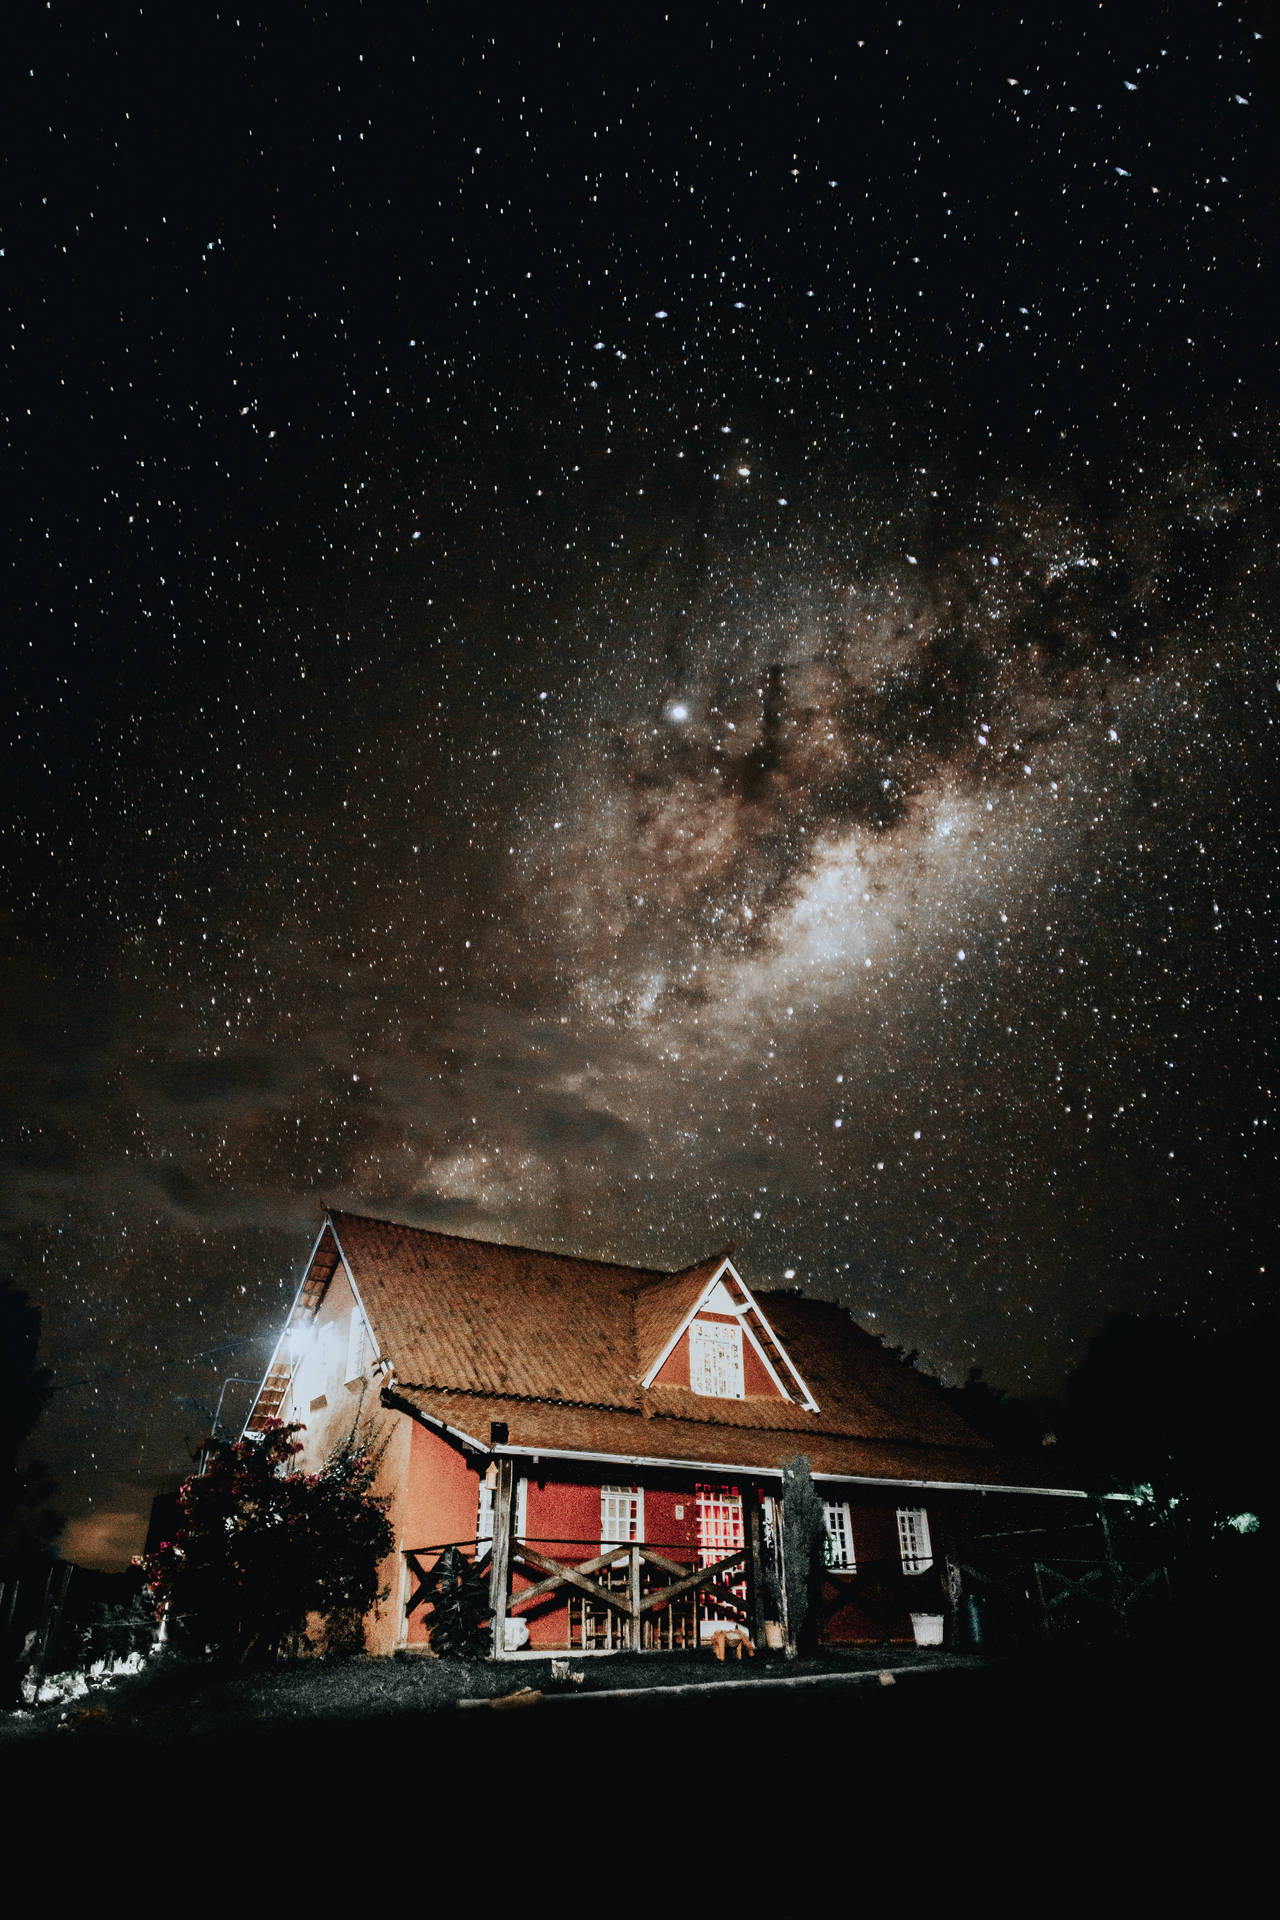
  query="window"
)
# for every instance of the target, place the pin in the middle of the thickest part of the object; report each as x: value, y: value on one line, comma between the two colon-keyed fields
x: 355, y: 1346
x: 913, y: 1540
x: 719, y: 1523
x: 839, y: 1537
x: 621, y: 1515
x: 715, y: 1359
x: 720, y: 1534
x: 484, y: 1517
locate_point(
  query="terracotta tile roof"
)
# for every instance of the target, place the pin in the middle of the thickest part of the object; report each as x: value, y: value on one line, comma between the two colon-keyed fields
x: 473, y: 1316
x: 539, y: 1427
x: 556, y: 1347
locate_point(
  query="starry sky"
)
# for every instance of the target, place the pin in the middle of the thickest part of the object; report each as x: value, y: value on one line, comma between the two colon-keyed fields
x: 632, y: 630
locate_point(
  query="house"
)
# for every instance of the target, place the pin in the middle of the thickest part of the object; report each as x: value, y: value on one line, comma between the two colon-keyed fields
x: 609, y: 1442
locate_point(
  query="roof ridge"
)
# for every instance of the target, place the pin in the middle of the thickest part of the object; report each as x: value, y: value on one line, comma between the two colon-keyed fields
x: 656, y: 1278
x: 508, y: 1246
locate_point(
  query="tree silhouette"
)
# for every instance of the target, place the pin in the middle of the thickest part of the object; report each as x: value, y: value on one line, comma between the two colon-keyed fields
x: 28, y: 1525
x: 804, y: 1536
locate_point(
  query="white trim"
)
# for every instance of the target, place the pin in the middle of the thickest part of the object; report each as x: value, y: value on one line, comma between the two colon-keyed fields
x: 749, y: 1305
x: 456, y: 1433
x: 807, y: 1400
x: 536, y: 1451
x: 351, y: 1282
x: 674, y: 1341
x: 288, y: 1323
x: 715, y: 1356
x: 634, y: 1494
x: 915, y: 1543
x: 769, y: 1368
x: 841, y: 1533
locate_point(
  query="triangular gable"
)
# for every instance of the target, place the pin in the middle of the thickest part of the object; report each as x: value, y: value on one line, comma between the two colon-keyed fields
x: 326, y: 1256
x: 723, y: 1292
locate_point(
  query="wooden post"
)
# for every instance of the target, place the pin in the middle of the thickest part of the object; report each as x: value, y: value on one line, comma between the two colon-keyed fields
x: 500, y: 1565
x: 635, y: 1638
x: 1115, y: 1580
x: 755, y: 1564
x: 945, y: 1549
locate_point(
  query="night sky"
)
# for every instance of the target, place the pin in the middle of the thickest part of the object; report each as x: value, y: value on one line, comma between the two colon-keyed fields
x: 634, y: 630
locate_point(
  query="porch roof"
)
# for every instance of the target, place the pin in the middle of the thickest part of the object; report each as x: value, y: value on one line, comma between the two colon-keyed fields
x: 633, y: 1437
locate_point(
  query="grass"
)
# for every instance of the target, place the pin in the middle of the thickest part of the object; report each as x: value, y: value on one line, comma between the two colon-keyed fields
x: 175, y: 1700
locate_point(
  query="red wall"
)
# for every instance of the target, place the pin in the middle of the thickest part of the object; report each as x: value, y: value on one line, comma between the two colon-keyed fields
x: 563, y: 1520
x: 875, y: 1539
x: 441, y: 1504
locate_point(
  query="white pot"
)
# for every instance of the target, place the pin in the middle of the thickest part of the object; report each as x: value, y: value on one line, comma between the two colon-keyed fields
x: 927, y: 1628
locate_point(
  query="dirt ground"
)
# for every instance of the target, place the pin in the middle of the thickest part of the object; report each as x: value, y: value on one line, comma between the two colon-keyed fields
x: 181, y: 1700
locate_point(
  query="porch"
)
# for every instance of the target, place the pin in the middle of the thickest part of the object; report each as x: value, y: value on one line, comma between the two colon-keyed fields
x: 637, y: 1597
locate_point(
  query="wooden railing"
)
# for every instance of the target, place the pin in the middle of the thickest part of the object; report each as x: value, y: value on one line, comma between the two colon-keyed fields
x: 654, y: 1583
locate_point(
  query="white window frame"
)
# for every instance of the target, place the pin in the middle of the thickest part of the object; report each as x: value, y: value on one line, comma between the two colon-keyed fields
x: 914, y: 1543
x: 485, y: 1511
x: 355, y: 1347
x: 720, y: 1533
x: 839, y: 1525
x: 625, y: 1522
x: 715, y: 1359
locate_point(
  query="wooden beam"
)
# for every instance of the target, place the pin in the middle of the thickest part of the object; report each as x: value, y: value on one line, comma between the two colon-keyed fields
x: 562, y: 1576
x: 633, y: 1593
x: 708, y: 1577
x: 419, y: 1593
x: 656, y: 1559
x: 500, y: 1564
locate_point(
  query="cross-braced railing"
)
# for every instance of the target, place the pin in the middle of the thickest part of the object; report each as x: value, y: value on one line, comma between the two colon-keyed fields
x: 655, y: 1584
x: 719, y: 1584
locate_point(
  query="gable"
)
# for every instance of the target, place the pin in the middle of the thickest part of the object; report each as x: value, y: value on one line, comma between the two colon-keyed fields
x: 723, y: 1347
x: 327, y: 1333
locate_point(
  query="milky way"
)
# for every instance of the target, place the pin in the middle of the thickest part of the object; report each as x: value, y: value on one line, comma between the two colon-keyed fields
x: 631, y: 636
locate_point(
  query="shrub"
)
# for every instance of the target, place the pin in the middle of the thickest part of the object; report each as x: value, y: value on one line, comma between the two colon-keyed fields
x: 261, y: 1548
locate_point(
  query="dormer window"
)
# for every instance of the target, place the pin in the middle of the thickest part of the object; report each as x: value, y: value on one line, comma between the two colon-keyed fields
x: 715, y: 1359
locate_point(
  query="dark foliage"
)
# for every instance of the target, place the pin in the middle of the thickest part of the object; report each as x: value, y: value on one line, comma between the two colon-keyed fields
x: 458, y: 1599
x: 28, y: 1525
x: 25, y: 1389
x: 115, y: 1630
x: 1180, y: 1420
x: 261, y: 1548
x: 1017, y: 1426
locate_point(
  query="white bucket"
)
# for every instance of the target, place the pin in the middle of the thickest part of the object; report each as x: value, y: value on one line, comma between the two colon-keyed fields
x: 927, y: 1628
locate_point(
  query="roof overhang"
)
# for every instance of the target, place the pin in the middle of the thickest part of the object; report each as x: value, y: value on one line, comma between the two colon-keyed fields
x: 512, y: 1450
x: 775, y: 1473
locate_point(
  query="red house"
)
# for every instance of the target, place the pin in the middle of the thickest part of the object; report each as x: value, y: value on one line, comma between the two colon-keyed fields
x: 610, y: 1441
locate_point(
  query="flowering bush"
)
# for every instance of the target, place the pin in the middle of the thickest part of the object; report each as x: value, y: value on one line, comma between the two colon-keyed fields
x: 261, y: 1548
